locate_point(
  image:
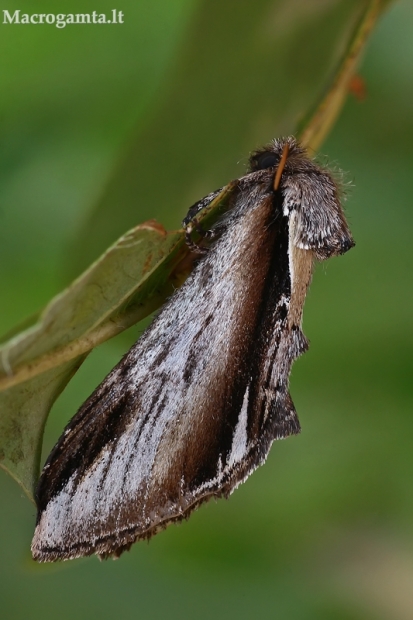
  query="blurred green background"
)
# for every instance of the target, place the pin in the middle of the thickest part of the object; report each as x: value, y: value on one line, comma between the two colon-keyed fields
x: 325, y: 529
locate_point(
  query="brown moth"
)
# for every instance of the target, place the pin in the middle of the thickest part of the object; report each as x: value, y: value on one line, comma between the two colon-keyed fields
x: 194, y: 406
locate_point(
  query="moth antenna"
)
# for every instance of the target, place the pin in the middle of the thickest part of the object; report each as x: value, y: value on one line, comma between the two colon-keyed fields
x: 281, y: 166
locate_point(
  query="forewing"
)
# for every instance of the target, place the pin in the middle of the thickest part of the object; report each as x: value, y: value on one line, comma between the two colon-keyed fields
x: 178, y: 420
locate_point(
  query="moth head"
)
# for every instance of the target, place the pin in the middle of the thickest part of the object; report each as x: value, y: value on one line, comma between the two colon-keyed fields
x: 311, y: 192
x: 270, y: 155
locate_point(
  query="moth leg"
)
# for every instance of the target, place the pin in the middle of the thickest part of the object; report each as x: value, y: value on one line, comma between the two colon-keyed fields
x: 194, y: 247
x: 213, y: 233
x: 199, y: 206
x: 205, y: 234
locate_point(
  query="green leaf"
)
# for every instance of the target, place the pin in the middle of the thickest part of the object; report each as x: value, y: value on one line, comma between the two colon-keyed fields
x: 273, y: 86
x: 24, y: 409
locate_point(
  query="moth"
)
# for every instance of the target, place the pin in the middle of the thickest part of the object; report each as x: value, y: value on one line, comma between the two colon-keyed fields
x: 194, y: 406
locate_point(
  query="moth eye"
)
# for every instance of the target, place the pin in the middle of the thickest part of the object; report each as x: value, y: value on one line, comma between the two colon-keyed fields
x: 265, y: 160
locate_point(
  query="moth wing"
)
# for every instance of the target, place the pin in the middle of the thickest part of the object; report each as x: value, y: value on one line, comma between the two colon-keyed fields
x: 321, y: 224
x: 179, y: 419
